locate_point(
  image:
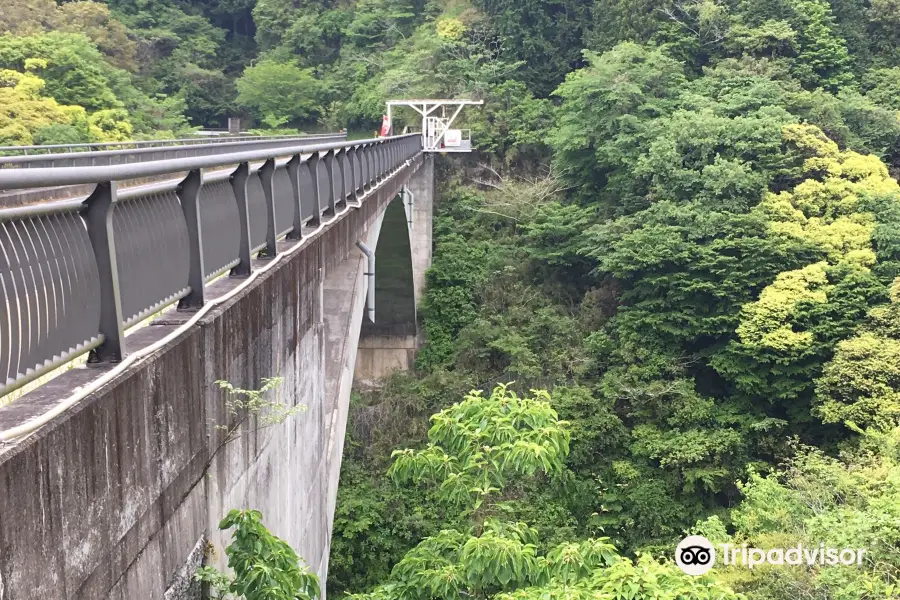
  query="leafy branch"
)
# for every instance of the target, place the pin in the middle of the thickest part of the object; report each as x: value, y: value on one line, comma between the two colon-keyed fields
x: 253, y: 402
x: 518, y: 199
x: 265, y: 567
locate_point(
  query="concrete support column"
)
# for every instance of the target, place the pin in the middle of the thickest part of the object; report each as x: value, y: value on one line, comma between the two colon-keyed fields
x: 422, y: 187
x: 402, y: 256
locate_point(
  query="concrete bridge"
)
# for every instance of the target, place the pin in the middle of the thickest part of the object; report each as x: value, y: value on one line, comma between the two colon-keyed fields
x: 113, y: 476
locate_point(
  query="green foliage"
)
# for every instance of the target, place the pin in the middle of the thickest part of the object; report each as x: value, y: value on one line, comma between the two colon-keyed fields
x: 375, y: 524
x: 93, y: 19
x: 513, y: 124
x: 791, y: 330
x: 74, y: 72
x: 71, y: 66
x: 598, y: 131
x: 545, y: 35
x: 280, y: 92
x: 475, y: 446
x: 851, y: 502
x: 860, y: 385
x: 451, y: 284
x: 264, y: 566
x: 822, y: 59
x: 642, y: 579
x: 883, y: 87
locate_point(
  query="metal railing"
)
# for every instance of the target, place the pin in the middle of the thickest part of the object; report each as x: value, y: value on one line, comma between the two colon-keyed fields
x: 127, y: 156
x: 74, y: 274
x: 99, y: 146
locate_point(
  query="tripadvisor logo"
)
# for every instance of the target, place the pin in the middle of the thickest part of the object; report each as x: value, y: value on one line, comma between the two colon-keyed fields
x: 696, y: 555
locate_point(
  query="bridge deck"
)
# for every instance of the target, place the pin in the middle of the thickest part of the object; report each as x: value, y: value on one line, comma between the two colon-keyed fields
x: 77, y: 273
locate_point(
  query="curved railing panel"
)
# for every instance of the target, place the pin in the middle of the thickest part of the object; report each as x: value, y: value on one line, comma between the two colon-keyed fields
x: 346, y: 175
x: 219, y: 223
x: 49, y: 308
x: 307, y: 192
x: 336, y: 180
x: 324, y: 185
x: 256, y: 208
x: 359, y: 177
x: 151, y: 252
x: 284, y: 201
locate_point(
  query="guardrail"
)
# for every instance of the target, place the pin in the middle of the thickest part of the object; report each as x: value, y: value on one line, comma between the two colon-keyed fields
x: 93, y: 146
x: 178, y: 149
x: 75, y: 274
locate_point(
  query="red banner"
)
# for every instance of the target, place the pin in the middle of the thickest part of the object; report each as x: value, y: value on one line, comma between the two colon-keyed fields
x: 385, y: 127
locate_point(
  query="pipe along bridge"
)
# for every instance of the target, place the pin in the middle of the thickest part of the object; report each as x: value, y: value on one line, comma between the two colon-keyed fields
x: 148, y: 276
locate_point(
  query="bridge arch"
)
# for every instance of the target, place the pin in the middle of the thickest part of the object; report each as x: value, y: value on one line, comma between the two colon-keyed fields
x: 403, y: 254
x: 389, y: 343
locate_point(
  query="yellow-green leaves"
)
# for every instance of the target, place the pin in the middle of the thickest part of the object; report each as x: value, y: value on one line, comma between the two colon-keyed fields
x: 449, y: 29
x: 824, y: 212
x: 764, y: 322
x: 257, y: 406
x: 110, y: 125
x: 810, y: 139
x: 862, y: 383
x: 642, y: 579
x: 824, y: 209
x: 24, y: 111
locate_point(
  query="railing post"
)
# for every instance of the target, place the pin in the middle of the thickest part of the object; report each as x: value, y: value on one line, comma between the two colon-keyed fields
x: 361, y: 160
x: 329, y: 168
x: 313, y: 165
x: 339, y: 157
x: 293, y: 169
x: 367, y: 167
x: 239, y: 185
x: 189, y: 194
x: 379, y: 162
x: 267, y: 177
x: 99, y: 208
x: 351, y: 159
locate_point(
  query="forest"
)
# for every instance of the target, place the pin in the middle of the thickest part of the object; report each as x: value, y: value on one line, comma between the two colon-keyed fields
x: 672, y: 269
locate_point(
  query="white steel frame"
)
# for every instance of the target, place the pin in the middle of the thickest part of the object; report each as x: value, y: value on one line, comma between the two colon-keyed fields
x: 425, y: 108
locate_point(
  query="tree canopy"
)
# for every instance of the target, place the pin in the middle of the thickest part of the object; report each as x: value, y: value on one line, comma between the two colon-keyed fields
x: 682, y: 221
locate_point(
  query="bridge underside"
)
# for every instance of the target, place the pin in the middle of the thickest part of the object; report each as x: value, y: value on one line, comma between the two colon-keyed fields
x: 118, y: 497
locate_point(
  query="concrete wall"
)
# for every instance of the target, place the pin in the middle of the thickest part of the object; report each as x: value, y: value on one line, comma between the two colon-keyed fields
x: 401, y: 259
x: 117, y: 497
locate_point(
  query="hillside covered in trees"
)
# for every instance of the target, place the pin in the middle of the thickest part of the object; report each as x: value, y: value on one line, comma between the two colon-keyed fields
x: 683, y: 222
